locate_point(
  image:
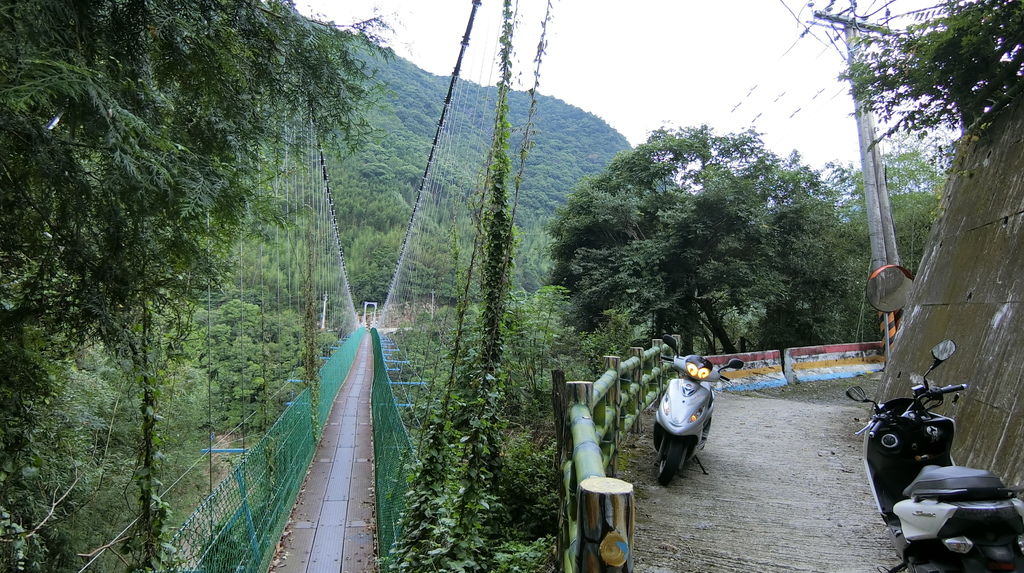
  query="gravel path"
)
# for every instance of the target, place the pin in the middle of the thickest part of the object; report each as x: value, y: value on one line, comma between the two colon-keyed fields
x: 785, y: 490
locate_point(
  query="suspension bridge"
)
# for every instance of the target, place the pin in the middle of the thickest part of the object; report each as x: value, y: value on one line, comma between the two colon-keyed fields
x: 321, y: 486
x: 284, y: 430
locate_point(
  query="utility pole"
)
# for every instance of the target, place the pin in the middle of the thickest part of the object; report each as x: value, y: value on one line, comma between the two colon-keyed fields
x: 881, y: 230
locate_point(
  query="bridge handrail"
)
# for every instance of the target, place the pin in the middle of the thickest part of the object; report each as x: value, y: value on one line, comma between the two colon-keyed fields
x: 237, y: 527
x: 392, y: 450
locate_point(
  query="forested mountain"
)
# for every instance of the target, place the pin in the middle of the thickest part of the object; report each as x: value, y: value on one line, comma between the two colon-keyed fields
x: 376, y: 185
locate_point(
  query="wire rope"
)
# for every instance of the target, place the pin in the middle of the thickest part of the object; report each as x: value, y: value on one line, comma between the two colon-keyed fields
x: 239, y: 336
x: 209, y: 374
x: 441, y: 216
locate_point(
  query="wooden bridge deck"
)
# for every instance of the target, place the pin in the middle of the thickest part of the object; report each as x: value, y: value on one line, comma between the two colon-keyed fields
x: 331, y: 528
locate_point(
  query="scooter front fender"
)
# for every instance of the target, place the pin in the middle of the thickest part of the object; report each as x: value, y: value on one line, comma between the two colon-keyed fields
x: 684, y: 429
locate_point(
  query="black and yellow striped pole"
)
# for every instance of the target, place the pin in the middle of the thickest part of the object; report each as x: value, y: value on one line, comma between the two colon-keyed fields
x: 890, y: 324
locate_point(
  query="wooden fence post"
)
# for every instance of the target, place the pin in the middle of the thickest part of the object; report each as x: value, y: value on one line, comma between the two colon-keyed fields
x: 563, y: 438
x: 658, y: 343
x: 606, y: 517
x: 558, y: 403
x: 578, y: 392
x: 641, y: 392
x: 613, y: 401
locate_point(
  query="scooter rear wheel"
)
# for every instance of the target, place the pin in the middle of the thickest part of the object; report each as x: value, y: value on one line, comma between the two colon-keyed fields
x: 669, y: 458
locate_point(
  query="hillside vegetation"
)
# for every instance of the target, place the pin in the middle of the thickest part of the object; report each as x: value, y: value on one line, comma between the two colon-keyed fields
x: 378, y: 183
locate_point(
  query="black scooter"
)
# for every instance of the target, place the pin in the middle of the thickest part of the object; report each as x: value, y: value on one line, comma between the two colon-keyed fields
x: 941, y: 517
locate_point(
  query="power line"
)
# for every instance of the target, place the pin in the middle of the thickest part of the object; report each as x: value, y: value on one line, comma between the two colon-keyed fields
x: 919, y: 14
x: 883, y: 7
x: 806, y: 26
x: 807, y: 30
x: 790, y: 10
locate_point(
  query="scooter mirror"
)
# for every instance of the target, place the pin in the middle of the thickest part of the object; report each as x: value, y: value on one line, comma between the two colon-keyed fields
x: 670, y: 340
x: 857, y: 394
x: 944, y: 349
x: 735, y: 364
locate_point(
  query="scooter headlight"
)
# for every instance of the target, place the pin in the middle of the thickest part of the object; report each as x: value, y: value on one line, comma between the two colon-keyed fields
x: 697, y: 370
x: 666, y: 406
x: 958, y: 544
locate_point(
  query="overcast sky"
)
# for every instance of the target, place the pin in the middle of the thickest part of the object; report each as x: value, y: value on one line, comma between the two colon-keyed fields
x: 644, y: 64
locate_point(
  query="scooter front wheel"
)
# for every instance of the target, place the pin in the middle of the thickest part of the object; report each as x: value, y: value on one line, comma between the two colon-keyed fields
x: 669, y: 458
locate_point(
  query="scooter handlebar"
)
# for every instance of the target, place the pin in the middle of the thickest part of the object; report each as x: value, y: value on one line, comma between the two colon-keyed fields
x: 873, y: 427
x: 870, y: 427
x: 938, y: 392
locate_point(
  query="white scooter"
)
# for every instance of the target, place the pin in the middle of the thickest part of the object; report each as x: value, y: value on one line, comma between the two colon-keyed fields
x: 941, y: 517
x: 683, y: 418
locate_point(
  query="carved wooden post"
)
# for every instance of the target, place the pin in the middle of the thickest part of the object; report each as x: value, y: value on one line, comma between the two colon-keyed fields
x: 605, y: 518
x: 641, y: 391
x: 613, y: 401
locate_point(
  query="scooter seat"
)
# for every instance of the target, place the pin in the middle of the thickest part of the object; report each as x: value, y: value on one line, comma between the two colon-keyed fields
x: 957, y: 483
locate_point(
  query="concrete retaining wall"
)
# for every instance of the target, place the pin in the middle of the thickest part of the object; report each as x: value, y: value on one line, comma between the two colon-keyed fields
x: 970, y: 288
x: 803, y: 364
x: 829, y: 361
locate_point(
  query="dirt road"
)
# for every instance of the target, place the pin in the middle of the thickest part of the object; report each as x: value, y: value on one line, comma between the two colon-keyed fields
x: 785, y: 490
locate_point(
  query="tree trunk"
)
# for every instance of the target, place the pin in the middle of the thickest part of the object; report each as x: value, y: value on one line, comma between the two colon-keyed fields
x: 716, y: 326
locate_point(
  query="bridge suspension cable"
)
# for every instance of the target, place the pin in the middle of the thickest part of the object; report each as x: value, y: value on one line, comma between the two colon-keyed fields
x: 442, y: 141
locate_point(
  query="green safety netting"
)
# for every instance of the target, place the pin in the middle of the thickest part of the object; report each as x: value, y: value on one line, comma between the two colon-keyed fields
x: 391, y: 450
x: 239, y: 524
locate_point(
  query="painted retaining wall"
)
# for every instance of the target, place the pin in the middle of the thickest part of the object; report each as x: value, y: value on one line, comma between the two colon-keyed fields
x: 773, y: 368
x: 760, y: 370
x: 829, y: 361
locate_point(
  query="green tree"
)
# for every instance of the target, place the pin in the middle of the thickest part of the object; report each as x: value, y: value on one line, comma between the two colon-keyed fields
x: 916, y: 172
x: 954, y: 70
x: 710, y: 236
